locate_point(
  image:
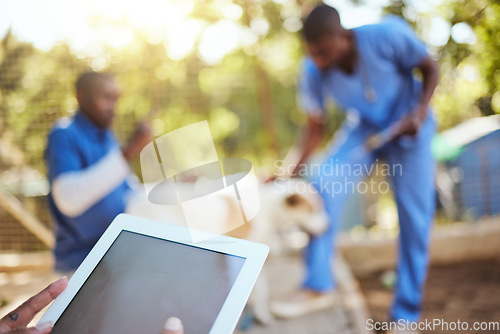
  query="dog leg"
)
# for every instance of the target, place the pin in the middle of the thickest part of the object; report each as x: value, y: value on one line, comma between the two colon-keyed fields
x: 259, y: 300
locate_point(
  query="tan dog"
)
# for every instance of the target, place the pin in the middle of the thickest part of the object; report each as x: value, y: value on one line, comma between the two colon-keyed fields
x: 285, y: 206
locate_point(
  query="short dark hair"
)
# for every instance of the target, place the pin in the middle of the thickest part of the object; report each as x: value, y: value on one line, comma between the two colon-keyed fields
x: 87, y: 78
x: 321, y: 21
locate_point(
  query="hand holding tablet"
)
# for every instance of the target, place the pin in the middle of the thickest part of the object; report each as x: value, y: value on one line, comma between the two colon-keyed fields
x: 18, y: 320
x: 141, y: 272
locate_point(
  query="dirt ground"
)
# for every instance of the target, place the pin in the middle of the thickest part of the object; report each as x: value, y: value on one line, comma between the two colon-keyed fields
x: 468, y: 292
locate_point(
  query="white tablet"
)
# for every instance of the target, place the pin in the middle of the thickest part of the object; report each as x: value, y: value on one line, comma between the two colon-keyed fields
x: 142, y: 272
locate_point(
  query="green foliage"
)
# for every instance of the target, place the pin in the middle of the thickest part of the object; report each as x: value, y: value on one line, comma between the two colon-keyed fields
x: 35, y: 89
x: 470, y: 73
x: 483, y: 56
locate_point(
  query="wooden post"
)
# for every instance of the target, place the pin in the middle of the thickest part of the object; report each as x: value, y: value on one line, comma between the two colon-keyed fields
x: 13, y: 206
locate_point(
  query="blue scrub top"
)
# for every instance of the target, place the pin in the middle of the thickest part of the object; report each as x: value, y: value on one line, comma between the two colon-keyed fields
x: 388, y: 52
x: 74, y: 145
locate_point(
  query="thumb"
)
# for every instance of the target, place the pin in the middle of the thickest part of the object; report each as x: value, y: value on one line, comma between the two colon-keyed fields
x: 173, y: 325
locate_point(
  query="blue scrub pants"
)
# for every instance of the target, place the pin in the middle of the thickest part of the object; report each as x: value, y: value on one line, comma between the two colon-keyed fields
x: 413, y: 186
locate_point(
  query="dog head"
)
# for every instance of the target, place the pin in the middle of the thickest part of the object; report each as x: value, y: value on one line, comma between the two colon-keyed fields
x: 301, y: 206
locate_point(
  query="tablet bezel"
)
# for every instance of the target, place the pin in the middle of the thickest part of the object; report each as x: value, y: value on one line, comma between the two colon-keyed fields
x: 227, y: 319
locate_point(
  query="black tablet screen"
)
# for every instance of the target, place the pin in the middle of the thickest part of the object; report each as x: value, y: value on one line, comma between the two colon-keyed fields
x: 142, y: 280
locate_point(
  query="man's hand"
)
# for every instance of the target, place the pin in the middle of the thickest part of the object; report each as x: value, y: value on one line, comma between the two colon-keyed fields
x: 140, y: 138
x: 412, y: 122
x: 18, y: 320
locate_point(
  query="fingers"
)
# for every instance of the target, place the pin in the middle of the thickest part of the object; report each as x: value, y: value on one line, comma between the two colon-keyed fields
x: 22, y: 316
x: 143, y: 127
x: 31, y: 330
x: 406, y: 127
x: 271, y: 179
x: 44, y: 328
x: 150, y: 115
x: 173, y: 326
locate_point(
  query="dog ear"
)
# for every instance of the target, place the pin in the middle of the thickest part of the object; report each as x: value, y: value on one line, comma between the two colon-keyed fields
x: 296, y: 200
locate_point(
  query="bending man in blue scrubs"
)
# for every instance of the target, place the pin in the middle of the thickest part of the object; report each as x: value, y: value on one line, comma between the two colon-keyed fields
x: 88, y: 172
x: 367, y: 71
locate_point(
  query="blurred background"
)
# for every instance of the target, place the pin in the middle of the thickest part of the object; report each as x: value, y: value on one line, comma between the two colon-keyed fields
x: 235, y: 63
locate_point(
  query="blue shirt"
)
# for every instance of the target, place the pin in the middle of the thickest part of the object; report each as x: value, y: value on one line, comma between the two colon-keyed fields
x: 388, y: 52
x: 73, y: 146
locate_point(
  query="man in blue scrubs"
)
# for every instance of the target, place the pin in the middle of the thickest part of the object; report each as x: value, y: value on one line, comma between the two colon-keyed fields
x: 88, y: 172
x: 367, y: 71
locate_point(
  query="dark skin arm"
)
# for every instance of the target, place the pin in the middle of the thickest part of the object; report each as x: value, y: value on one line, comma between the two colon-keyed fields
x: 412, y: 123
x: 140, y: 138
x: 314, y: 134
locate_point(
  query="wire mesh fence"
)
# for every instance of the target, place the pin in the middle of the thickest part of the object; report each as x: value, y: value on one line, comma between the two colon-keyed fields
x: 14, y: 237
